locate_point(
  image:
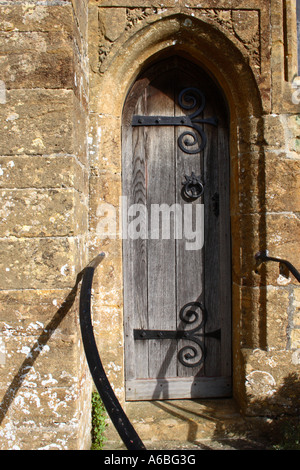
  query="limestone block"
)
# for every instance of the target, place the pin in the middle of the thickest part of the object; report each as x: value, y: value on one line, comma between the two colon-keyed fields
x: 36, y: 171
x: 79, y: 121
x: 112, y: 22
x: 36, y: 60
x: 293, y: 125
x: 269, y: 182
x: 37, y: 122
x: 39, y: 263
x: 246, y: 24
x: 264, y: 317
x: 38, y: 213
x: 33, y: 312
x: 53, y: 416
x: 38, y: 362
x: 295, y: 338
x: 64, y: 437
x: 274, y: 131
x: 282, y: 183
x: 93, y: 39
x: 250, y: 134
x: 251, y: 187
x: 36, y: 17
x: 81, y: 80
x: 109, y: 339
x: 272, y: 382
x: 81, y: 14
x: 108, y: 281
x: 296, y: 305
x: 105, y: 193
x: 105, y: 138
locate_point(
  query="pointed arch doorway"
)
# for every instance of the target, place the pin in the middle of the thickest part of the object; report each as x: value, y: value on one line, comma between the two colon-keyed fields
x: 176, y: 235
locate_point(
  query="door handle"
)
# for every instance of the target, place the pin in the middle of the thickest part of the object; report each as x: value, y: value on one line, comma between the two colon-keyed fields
x: 193, y: 187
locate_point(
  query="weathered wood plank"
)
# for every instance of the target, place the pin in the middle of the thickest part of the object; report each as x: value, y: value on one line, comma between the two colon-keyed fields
x: 189, y: 256
x: 161, y: 251
x: 212, y: 242
x: 174, y: 388
x: 135, y: 249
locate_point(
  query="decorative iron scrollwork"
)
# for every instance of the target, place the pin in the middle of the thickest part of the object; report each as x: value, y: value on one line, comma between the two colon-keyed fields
x: 188, y: 99
x: 189, y: 355
x: 192, y: 186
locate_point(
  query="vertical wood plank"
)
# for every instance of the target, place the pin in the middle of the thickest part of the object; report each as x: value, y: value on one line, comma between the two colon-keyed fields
x: 135, y: 279
x: 225, y: 247
x: 212, y: 243
x: 189, y: 267
x: 161, y: 252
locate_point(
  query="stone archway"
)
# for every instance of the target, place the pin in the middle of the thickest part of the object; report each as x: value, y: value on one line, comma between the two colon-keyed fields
x: 151, y: 38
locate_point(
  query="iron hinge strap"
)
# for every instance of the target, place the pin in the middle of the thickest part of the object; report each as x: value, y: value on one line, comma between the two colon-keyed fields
x: 170, y: 121
x: 189, y: 99
x: 141, y: 334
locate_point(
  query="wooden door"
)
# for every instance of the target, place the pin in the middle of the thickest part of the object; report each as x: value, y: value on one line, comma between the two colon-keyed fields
x: 177, y: 295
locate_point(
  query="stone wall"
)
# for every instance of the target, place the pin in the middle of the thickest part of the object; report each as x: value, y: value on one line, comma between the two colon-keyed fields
x: 44, y: 383
x: 66, y: 67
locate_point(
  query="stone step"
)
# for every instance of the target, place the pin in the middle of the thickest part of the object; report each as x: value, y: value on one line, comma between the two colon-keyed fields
x: 186, y: 424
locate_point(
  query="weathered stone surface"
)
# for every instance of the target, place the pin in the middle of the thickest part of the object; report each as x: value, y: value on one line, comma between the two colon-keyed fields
x: 36, y: 171
x: 282, y: 183
x: 41, y: 213
x: 258, y: 328
x: 269, y: 182
x: 296, y: 305
x: 105, y: 143
x: 36, y: 17
x: 293, y: 126
x: 79, y: 122
x: 36, y: 312
x: 279, y: 233
x: 39, y: 438
x: 39, y: 263
x: 40, y: 60
x: 44, y: 187
x: 81, y: 15
x: 37, y: 122
x: 33, y: 362
x: 112, y: 22
x: 272, y: 382
x: 274, y: 131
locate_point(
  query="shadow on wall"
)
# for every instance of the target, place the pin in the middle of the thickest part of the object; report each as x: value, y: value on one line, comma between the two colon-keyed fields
x: 37, y: 349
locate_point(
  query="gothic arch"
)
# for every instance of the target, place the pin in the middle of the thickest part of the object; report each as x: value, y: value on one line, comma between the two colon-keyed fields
x: 222, y: 55
x: 227, y: 61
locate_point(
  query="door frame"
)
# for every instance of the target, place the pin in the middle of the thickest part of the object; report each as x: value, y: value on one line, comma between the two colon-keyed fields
x: 188, y: 387
x: 180, y: 33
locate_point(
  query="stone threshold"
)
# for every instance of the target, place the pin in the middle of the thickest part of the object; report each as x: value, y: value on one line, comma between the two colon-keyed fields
x: 192, y: 425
